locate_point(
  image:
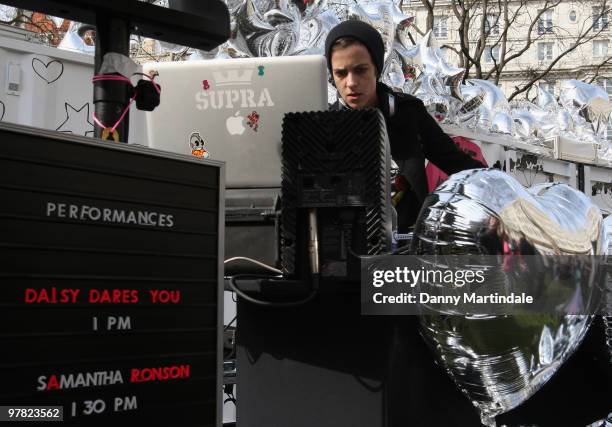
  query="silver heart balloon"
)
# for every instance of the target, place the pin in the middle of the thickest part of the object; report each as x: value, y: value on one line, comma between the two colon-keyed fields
x: 500, y: 361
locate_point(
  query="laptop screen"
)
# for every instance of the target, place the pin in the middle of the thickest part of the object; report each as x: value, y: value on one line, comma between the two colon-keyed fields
x: 232, y: 110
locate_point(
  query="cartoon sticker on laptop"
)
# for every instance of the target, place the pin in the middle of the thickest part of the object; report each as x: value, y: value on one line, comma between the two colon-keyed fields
x: 253, y: 120
x: 197, y: 145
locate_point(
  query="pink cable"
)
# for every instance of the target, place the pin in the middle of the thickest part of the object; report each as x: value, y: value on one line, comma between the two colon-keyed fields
x: 114, y: 77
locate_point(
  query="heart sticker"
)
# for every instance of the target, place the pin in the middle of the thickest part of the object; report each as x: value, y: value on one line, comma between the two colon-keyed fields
x: 49, y: 72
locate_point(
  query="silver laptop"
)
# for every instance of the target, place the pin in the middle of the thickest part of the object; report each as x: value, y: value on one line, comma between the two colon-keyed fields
x: 232, y: 110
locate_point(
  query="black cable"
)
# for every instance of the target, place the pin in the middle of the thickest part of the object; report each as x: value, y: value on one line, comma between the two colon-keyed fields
x: 229, y: 324
x: 228, y: 389
x: 232, y: 283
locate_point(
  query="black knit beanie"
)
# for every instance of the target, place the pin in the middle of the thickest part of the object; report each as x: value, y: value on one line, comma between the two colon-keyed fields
x: 363, y: 32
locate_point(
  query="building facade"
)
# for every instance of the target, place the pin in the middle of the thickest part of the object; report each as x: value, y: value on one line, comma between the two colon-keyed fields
x: 553, y: 33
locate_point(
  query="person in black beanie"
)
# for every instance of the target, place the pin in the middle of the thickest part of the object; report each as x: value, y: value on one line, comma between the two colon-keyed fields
x: 355, y: 58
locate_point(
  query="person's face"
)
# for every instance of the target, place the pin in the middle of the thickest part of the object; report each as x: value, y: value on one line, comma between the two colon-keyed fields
x: 355, y: 75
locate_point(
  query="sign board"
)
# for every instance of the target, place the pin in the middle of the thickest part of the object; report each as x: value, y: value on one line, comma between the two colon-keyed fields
x: 111, y: 273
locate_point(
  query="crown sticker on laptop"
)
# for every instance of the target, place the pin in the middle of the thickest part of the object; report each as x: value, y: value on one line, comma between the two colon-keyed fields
x: 197, y: 146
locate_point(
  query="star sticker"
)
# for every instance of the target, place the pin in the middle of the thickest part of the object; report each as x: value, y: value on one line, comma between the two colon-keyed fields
x: 78, y: 124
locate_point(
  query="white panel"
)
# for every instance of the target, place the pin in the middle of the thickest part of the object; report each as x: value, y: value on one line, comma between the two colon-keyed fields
x: 55, y: 91
x: 530, y: 169
x: 598, y: 186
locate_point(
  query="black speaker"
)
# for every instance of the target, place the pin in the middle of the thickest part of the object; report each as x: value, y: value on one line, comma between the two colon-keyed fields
x: 337, y: 163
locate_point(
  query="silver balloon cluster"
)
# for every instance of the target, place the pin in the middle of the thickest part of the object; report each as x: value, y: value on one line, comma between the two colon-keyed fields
x: 501, y: 361
x: 281, y: 27
x: 581, y: 114
x: 276, y: 28
x: 286, y: 27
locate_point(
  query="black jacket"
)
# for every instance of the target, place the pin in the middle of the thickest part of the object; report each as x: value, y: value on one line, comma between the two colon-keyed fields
x: 414, y: 136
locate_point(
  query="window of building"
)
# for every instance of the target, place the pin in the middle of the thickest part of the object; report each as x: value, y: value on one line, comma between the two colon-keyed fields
x: 600, y: 19
x: 492, y: 25
x: 491, y: 52
x: 548, y: 86
x: 440, y: 27
x: 545, y: 22
x: 606, y: 84
x: 600, y: 48
x: 545, y: 51
x: 573, y: 16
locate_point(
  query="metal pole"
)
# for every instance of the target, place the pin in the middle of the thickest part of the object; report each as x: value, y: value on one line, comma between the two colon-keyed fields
x: 111, y: 97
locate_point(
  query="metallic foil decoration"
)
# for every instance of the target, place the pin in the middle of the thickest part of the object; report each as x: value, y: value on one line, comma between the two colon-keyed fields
x: 408, y: 59
x: 502, y: 123
x: 285, y: 18
x: 315, y: 25
x: 386, y: 17
x: 546, y: 100
x: 494, y: 99
x: 434, y: 62
x: 589, y: 101
x: 472, y: 97
x: 564, y: 119
x: 393, y: 73
x: 432, y: 92
x: 295, y: 27
x: 377, y: 15
x: 525, y: 124
x: 494, y: 102
x: 247, y: 26
x: 498, y: 362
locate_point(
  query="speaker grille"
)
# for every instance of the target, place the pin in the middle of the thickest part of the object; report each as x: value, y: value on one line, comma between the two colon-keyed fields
x: 335, y: 159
